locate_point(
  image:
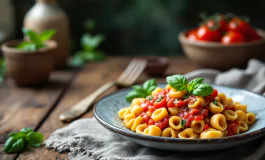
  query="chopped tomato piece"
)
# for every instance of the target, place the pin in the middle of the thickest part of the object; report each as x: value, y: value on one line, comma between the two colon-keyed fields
x: 206, y: 127
x: 151, y: 122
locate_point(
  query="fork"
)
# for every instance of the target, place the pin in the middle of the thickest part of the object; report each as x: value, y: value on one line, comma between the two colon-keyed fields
x: 126, y: 79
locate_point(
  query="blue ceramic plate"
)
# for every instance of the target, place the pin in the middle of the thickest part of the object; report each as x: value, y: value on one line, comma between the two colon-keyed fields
x: 106, y: 112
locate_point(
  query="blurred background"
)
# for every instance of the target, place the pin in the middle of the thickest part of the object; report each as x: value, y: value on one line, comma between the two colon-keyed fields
x: 132, y: 27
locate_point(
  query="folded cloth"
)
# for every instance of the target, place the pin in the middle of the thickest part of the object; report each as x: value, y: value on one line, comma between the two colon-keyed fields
x: 87, y: 139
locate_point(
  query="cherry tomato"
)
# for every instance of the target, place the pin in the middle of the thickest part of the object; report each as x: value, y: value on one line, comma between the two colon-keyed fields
x: 253, y: 36
x: 206, y: 34
x: 151, y: 122
x: 160, y: 103
x: 170, y: 103
x: 163, y: 123
x: 180, y: 103
x: 215, y: 93
x: 206, y: 127
x: 192, y: 35
x: 198, y: 118
x: 195, y: 111
x: 239, y: 25
x: 233, y: 37
x: 220, y: 25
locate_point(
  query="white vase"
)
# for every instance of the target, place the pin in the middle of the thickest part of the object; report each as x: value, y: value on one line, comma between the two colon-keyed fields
x: 46, y: 14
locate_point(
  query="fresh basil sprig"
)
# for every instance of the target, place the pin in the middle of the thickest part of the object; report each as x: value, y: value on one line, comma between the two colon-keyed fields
x: 142, y: 91
x: 35, y: 41
x: 195, y: 87
x: 18, y: 141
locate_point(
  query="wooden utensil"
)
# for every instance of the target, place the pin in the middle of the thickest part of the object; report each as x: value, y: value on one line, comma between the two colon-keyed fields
x: 126, y: 79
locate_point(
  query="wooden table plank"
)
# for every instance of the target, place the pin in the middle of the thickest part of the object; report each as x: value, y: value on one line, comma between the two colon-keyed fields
x: 91, y: 78
x: 28, y: 107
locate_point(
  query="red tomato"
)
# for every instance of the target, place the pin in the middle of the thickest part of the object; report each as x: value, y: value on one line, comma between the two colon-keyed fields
x: 160, y: 104
x: 215, y: 93
x: 233, y: 37
x: 192, y: 35
x: 206, y: 34
x: 180, y: 103
x: 198, y: 118
x: 253, y: 36
x: 170, y: 103
x: 206, y: 126
x: 239, y: 25
x: 220, y: 25
x: 195, y: 111
x: 146, y: 118
x: 151, y: 122
x: 163, y: 123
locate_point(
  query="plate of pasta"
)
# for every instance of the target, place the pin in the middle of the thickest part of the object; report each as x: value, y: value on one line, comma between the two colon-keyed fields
x: 182, y: 115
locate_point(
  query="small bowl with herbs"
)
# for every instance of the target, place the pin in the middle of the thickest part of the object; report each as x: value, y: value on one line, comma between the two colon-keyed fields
x: 30, y: 61
x: 223, y: 41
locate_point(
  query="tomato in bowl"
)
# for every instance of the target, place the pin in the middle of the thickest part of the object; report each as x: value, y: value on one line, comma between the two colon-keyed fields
x: 223, y: 44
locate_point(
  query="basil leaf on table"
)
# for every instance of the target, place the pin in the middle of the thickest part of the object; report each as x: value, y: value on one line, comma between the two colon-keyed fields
x: 35, y: 139
x: 203, y: 89
x: 18, y: 141
x: 14, y: 144
x: 178, y: 82
x: 142, y: 91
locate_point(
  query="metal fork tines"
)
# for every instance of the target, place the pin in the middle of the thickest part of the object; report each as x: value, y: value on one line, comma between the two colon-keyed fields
x: 132, y: 72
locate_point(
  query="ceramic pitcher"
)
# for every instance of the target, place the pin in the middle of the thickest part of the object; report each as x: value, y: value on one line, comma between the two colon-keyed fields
x: 46, y: 14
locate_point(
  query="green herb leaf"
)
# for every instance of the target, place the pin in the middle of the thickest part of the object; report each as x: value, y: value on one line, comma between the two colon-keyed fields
x: 142, y: 91
x: 178, y: 82
x: 149, y: 97
x: 27, y: 46
x: 47, y: 35
x: 17, y: 141
x: 149, y: 83
x: 134, y: 94
x: 14, y: 144
x: 33, y: 36
x: 2, y: 69
x: 90, y: 42
x: 26, y: 131
x: 215, y: 102
x: 35, y: 139
x: 203, y: 89
x: 193, y: 83
x: 182, y: 123
x: 159, y: 99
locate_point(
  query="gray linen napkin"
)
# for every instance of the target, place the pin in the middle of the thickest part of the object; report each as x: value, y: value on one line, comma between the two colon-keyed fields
x: 87, y: 139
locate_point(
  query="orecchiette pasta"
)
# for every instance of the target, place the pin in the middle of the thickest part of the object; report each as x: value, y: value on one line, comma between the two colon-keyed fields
x: 175, y: 122
x: 187, y: 134
x: 180, y: 113
x: 211, y: 133
x: 197, y: 126
x: 159, y: 114
x: 243, y: 126
x: 199, y: 101
x: 218, y: 121
x: 152, y: 131
x: 169, y: 132
x: 230, y: 115
x: 176, y: 94
x: 240, y: 115
x: 250, y: 118
x: 216, y: 108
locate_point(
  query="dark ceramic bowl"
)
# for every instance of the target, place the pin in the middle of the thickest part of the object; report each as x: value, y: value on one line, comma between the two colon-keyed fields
x: 106, y: 112
x: 156, y: 65
x: 220, y: 56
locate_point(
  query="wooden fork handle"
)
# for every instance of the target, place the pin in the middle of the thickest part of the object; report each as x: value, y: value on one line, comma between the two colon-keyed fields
x: 80, y: 108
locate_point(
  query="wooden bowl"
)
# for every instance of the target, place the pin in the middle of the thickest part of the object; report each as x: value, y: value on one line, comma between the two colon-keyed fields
x: 219, y: 56
x: 156, y: 65
x: 28, y: 68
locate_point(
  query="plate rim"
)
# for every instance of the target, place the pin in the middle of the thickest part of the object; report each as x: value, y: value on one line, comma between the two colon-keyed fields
x: 132, y: 134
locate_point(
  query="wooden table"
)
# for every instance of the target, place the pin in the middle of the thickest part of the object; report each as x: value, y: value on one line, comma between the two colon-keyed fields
x: 39, y: 108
